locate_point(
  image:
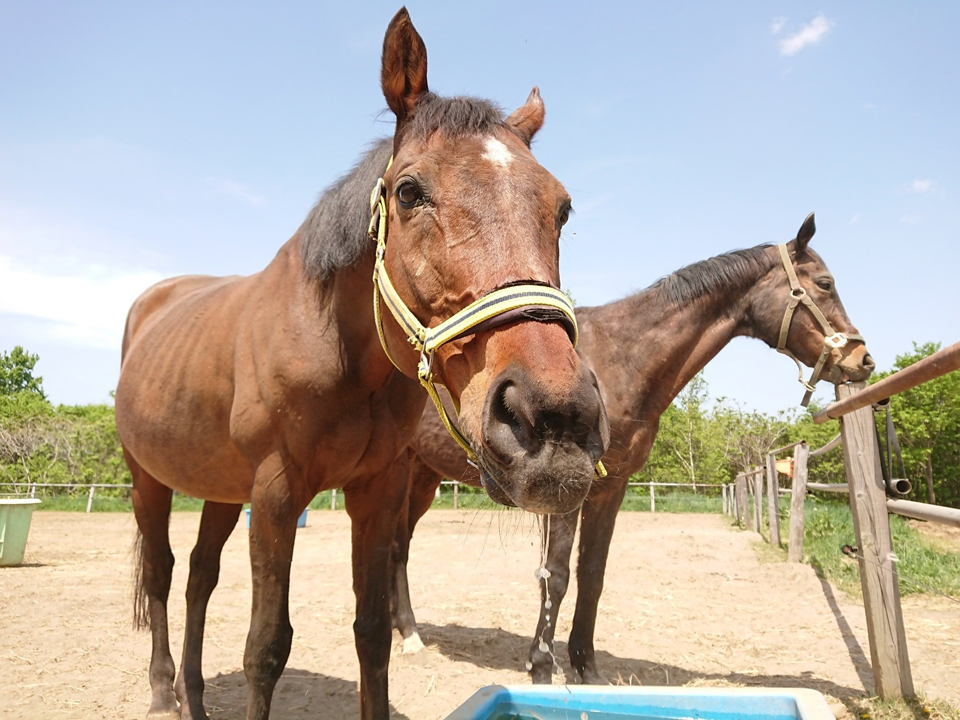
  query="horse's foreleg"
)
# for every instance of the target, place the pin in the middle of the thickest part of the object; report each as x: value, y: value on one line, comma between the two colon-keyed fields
x: 273, y: 527
x: 216, y: 524
x: 423, y: 484
x: 373, y: 506
x: 151, y: 506
x: 598, y: 516
x: 552, y: 591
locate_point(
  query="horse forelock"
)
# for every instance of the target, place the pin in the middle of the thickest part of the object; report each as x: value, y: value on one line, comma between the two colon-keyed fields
x: 455, y: 117
x: 733, y: 270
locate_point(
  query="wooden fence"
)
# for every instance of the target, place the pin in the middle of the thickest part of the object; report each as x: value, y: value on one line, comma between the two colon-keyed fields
x: 869, y: 505
x: 31, y: 489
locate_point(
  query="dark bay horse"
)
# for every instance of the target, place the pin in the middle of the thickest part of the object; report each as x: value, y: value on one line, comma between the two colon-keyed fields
x: 645, y: 349
x: 270, y: 388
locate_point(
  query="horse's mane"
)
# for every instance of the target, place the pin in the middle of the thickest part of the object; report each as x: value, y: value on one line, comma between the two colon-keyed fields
x: 334, y: 234
x: 735, y: 270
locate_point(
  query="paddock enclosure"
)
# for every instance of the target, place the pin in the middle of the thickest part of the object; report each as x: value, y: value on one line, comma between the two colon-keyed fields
x: 688, y: 599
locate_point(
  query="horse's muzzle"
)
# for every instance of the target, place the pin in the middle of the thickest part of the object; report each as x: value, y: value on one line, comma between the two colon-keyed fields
x: 541, y: 443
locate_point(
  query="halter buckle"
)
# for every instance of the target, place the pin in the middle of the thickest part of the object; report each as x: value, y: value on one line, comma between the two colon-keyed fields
x: 425, y: 368
x: 836, y: 341
x: 798, y: 293
x: 376, y: 193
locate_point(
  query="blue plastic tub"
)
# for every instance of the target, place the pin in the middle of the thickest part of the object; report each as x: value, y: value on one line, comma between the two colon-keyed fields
x: 301, y: 521
x: 583, y: 702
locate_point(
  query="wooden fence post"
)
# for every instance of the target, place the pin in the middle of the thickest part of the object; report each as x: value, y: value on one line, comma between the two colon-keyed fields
x: 743, y: 508
x: 773, y: 501
x: 723, y: 495
x: 758, y: 500
x: 456, y: 495
x: 881, y: 590
x: 798, y: 494
x: 333, y: 499
x: 653, y: 499
x: 90, y: 499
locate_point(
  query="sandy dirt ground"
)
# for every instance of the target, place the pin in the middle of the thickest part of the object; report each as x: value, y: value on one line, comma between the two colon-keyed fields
x: 687, y: 601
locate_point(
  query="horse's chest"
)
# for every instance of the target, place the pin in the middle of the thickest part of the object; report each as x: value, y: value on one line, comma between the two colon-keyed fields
x: 336, y: 436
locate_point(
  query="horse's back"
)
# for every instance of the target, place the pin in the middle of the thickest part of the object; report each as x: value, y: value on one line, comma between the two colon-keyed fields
x: 159, y: 298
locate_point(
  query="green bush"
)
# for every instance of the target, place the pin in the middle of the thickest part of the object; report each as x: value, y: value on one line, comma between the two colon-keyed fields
x: 828, y: 526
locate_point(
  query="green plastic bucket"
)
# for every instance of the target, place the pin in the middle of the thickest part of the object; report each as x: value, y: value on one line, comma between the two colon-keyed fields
x: 15, y: 517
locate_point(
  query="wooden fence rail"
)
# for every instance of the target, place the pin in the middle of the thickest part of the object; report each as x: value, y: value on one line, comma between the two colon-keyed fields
x: 930, y: 368
x: 924, y: 511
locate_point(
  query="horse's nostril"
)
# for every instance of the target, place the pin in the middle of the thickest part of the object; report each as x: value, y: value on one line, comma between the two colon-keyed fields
x: 510, y: 427
x: 868, y: 363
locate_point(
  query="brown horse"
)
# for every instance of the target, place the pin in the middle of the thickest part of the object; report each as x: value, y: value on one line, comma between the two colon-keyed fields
x: 270, y: 388
x: 645, y: 349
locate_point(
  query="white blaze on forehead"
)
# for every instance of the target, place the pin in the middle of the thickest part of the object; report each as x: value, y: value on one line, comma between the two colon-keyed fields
x: 496, y: 152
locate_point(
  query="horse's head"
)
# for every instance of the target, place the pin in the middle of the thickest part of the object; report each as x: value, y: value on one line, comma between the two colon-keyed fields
x: 469, y: 211
x: 802, y: 316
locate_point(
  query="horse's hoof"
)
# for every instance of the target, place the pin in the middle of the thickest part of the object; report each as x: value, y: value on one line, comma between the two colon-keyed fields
x: 164, y: 707
x: 412, y: 644
x: 541, y: 676
x: 591, y: 677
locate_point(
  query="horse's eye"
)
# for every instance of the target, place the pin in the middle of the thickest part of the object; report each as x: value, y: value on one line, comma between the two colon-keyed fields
x: 825, y: 285
x: 563, y: 216
x: 408, y: 193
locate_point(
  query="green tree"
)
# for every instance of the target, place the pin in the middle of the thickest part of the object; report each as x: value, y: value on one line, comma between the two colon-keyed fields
x: 749, y: 436
x: 689, y: 445
x: 16, y: 373
x: 927, y: 419
x: 826, y: 468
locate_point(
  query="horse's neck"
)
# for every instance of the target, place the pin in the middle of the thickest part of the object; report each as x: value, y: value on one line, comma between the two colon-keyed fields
x: 668, y: 343
x: 349, y: 306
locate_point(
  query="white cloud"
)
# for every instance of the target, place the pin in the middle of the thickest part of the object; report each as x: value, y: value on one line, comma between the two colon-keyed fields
x: 921, y: 186
x: 777, y: 25
x: 854, y: 219
x: 86, y: 305
x: 809, y: 34
x: 227, y: 186
x: 911, y: 219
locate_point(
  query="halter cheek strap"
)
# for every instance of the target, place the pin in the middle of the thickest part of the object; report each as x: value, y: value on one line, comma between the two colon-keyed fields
x: 512, y: 303
x: 831, y: 340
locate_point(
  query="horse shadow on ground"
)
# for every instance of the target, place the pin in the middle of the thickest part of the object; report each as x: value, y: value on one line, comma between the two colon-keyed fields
x: 857, y: 656
x: 498, y: 649
x: 299, y: 694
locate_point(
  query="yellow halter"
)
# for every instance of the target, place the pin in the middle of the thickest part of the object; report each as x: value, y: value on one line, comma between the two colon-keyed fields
x: 495, y: 305
x: 831, y: 340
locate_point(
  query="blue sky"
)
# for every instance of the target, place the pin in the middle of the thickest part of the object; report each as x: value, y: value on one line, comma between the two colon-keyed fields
x: 143, y: 140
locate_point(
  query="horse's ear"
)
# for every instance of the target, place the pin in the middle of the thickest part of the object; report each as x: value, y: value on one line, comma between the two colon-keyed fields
x: 804, y: 234
x: 403, y: 69
x: 528, y: 118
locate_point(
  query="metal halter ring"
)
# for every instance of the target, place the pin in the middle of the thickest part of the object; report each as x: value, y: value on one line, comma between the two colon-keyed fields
x: 836, y: 341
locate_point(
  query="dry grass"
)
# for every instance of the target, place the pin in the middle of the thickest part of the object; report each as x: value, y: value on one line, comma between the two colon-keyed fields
x: 871, y: 708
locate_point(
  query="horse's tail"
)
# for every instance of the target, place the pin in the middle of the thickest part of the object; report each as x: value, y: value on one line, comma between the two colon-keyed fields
x: 141, y: 618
